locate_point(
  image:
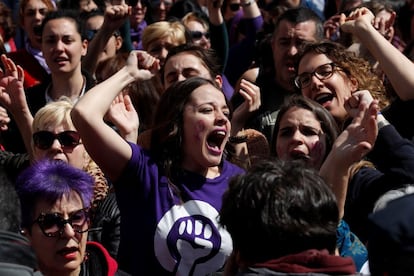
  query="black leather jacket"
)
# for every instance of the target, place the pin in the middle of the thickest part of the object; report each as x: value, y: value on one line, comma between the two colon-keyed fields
x: 106, y: 224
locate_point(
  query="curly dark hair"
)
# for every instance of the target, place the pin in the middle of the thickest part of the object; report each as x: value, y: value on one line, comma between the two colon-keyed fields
x: 352, y: 65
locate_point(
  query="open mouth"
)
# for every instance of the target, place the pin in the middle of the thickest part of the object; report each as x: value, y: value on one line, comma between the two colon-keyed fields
x: 324, y: 98
x: 299, y: 156
x: 60, y: 60
x: 215, y: 140
x: 37, y: 30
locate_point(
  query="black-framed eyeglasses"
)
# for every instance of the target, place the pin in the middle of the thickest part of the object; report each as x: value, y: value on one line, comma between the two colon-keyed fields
x: 322, y: 72
x: 234, y: 6
x: 53, y: 224
x: 44, y: 139
x: 198, y: 35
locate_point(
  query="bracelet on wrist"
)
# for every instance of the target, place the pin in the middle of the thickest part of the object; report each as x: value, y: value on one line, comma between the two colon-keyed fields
x: 238, y: 139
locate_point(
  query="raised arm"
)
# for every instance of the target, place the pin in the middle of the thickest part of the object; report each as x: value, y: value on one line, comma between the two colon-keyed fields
x: 115, y: 16
x: 13, y: 98
x: 124, y: 116
x: 351, y: 145
x: 397, y: 67
x: 109, y: 150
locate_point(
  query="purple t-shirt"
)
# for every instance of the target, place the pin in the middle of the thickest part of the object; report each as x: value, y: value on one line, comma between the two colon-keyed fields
x: 162, y: 233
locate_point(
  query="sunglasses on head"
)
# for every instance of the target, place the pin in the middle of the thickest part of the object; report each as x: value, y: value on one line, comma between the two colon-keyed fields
x: 198, y: 35
x: 44, y: 139
x: 235, y: 6
x: 53, y: 224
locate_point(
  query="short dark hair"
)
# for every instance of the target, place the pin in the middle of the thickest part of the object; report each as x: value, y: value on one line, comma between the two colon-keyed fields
x: 49, y: 180
x: 391, y: 239
x: 279, y: 208
x: 299, y: 15
x: 72, y: 15
x: 207, y: 57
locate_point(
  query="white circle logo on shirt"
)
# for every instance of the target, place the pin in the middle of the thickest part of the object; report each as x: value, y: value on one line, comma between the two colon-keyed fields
x: 189, y: 241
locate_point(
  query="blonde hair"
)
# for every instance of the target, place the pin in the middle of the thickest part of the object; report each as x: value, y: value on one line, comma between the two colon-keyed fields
x: 58, y: 113
x: 192, y: 16
x: 162, y: 29
x: 52, y: 114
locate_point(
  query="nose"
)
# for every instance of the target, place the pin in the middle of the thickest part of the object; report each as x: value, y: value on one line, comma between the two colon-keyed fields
x: 56, y: 146
x: 181, y: 77
x: 162, y: 6
x: 59, y: 45
x: 293, y: 50
x: 163, y: 53
x: 316, y: 83
x: 204, y: 40
x: 221, y: 118
x: 68, y: 231
x: 39, y: 16
x: 297, y: 137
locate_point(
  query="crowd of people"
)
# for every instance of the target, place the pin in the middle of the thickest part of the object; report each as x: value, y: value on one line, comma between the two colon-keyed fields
x: 191, y: 137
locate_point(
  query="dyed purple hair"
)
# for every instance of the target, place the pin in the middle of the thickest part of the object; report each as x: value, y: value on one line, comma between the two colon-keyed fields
x: 50, y: 180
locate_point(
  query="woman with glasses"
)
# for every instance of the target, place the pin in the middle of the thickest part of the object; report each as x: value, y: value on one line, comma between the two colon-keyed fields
x: 55, y: 209
x: 337, y: 79
x: 198, y: 28
x: 137, y: 22
x: 51, y: 135
x: 329, y: 75
x: 211, y: 32
x: 63, y: 46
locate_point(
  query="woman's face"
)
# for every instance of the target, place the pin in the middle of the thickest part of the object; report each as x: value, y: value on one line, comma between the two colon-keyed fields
x: 160, y: 9
x: 75, y: 156
x: 114, y: 43
x: 64, y: 253
x: 137, y: 14
x: 87, y: 5
x: 183, y: 66
x: 206, y: 128
x: 199, y: 34
x: 300, y: 136
x: 332, y: 92
x: 159, y: 48
x: 62, y: 46
x: 33, y: 14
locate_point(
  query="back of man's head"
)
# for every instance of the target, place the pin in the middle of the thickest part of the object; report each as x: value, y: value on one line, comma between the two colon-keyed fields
x: 279, y: 208
x: 391, y: 238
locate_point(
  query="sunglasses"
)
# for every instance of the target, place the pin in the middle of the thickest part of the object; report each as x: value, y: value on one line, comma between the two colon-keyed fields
x: 90, y: 34
x: 44, y: 139
x: 198, y: 35
x: 53, y: 224
x: 235, y: 7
